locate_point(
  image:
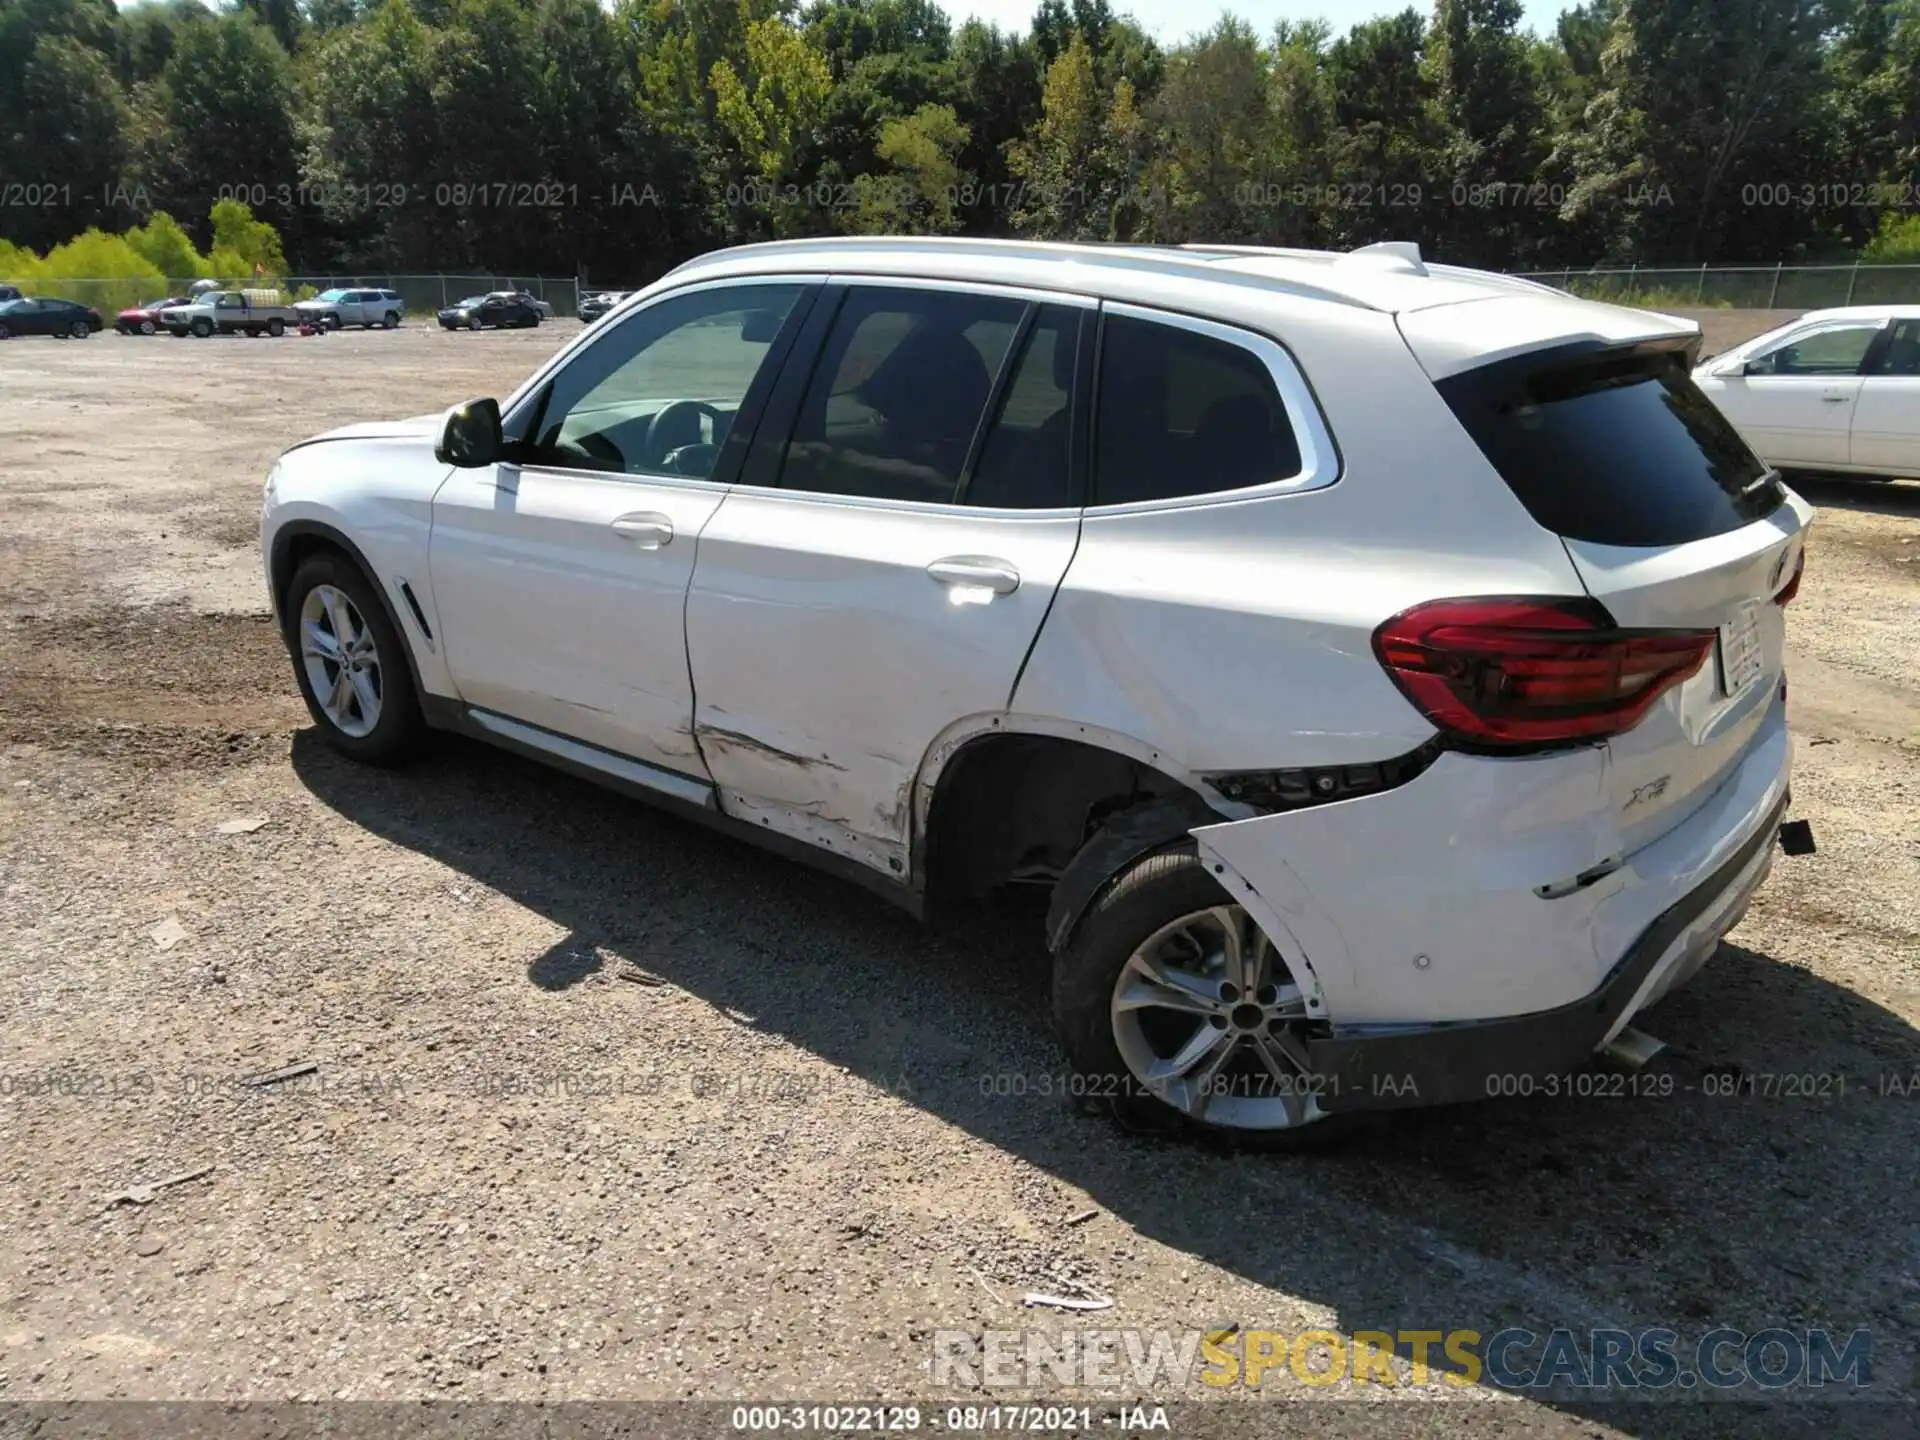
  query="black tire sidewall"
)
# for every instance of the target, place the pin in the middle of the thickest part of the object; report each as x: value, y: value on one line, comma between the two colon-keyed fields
x: 393, y: 738
x: 1151, y: 892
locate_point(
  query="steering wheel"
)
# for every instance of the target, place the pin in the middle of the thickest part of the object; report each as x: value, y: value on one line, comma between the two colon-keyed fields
x: 660, y: 429
x: 592, y: 451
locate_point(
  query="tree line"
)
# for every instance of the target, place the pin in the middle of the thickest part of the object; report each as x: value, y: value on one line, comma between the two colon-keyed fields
x: 553, y: 135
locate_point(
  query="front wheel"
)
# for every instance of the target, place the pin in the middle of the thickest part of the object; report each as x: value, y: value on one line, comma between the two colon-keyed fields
x: 390, y: 320
x: 146, y: 327
x: 473, y: 322
x: 203, y: 328
x: 1176, y: 1008
x: 276, y: 328
x: 349, y: 662
x: 5, y: 332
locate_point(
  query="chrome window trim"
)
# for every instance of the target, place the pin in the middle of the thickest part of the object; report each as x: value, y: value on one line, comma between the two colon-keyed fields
x: 1319, y: 457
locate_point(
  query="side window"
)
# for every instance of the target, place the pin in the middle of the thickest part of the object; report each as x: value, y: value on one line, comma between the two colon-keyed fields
x: 660, y: 393
x: 1838, y: 350
x: 902, y: 383
x: 1024, y: 463
x: 1902, y: 355
x: 1181, y: 413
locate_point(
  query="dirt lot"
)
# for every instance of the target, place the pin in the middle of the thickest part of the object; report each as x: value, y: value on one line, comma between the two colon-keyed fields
x: 608, y: 1107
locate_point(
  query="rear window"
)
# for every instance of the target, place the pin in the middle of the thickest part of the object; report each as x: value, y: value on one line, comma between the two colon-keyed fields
x: 1612, y: 447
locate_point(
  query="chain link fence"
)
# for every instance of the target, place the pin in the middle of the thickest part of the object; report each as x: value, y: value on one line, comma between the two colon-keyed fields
x: 423, y: 294
x: 1742, y: 287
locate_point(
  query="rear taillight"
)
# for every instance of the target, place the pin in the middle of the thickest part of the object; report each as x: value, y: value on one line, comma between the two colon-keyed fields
x: 1792, y: 587
x: 1510, y: 674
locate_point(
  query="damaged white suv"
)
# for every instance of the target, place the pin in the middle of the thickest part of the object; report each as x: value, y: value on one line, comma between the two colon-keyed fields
x: 1381, y: 662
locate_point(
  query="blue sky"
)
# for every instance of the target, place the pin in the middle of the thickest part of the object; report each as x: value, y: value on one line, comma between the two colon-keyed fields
x: 1174, y: 19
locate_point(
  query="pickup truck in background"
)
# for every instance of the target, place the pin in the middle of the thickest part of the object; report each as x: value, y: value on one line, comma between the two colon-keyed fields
x: 232, y: 312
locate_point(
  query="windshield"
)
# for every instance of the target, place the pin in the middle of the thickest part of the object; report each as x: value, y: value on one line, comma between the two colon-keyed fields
x: 331, y: 295
x: 470, y: 300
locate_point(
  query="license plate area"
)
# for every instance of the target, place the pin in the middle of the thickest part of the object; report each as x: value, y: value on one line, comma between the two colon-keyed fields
x: 1740, y: 658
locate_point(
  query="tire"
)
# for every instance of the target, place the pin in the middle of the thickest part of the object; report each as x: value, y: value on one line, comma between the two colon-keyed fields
x: 5, y: 332
x: 390, y: 320
x: 146, y: 327
x: 253, y: 332
x: 333, y: 322
x: 397, y: 725
x: 473, y: 322
x: 1143, y: 901
x: 81, y: 330
x: 276, y: 328
x: 202, y: 328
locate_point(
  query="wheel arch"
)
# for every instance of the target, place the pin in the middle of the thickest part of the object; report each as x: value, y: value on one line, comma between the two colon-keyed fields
x: 294, y: 542
x: 1003, y: 797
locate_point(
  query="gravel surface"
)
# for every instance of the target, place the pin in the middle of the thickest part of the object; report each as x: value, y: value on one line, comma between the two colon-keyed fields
x: 606, y: 1107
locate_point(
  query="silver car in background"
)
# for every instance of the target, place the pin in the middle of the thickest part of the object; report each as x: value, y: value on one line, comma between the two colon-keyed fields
x: 366, y: 308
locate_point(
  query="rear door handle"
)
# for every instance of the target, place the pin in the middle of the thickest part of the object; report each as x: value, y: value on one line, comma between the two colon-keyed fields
x: 648, y: 529
x: 975, y: 572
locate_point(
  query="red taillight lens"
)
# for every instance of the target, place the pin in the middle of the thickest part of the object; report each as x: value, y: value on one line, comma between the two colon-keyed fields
x: 1792, y: 587
x: 1518, y: 674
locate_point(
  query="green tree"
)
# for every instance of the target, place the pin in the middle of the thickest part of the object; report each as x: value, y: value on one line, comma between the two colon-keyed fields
x: 1699, y: 98
x: 921, y: 192
x: 771, y: 106
x: 219, y: 121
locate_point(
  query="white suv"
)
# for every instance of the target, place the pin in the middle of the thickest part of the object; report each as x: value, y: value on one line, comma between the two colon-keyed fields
x: 1379, y: 662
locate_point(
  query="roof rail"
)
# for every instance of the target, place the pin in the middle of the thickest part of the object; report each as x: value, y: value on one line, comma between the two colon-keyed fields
x: 1191, y: 260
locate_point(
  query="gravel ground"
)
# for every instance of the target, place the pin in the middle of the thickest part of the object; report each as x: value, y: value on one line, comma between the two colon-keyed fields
x: 607, y: 1107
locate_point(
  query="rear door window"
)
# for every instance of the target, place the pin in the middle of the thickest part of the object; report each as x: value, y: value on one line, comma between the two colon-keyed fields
x: 1902, y: 355
x: 1024, y: 462
x: 898, y: 396
x: 1180, y: 413
x: 1613, y: 447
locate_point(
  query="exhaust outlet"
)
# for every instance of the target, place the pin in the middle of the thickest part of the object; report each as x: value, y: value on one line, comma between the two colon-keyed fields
x: 1631, y: 1049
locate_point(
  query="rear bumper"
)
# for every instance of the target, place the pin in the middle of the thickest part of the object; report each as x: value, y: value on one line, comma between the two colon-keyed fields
x: 1437, y: 1065
x: 1480, y: 921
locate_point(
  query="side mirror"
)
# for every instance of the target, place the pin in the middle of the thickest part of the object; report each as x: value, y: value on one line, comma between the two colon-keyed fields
x: 470, y: 437
x: 1755, y: 367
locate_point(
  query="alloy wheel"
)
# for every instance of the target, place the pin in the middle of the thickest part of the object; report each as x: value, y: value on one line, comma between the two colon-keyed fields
x: 341, y: 659
x: 1208, y: 1019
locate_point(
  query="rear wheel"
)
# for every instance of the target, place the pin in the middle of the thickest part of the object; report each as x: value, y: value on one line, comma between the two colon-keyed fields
x: 1176, y: 1008
x: 350, y: 662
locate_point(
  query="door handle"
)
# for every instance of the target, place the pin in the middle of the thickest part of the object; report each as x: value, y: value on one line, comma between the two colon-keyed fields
x: 975, y: 572
x: 647, y: 529
x: 1836, y: 399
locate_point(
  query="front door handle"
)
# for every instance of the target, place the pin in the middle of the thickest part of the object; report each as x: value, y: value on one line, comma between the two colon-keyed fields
x: 975, y: 572
x: 1836, y: 399
x: 648, y: 529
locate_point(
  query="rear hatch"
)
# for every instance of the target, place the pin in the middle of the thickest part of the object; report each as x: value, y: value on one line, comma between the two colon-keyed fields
x: 1672, y: 523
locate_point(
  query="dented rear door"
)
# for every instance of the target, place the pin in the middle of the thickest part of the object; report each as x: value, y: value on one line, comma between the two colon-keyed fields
x: 850, y: 601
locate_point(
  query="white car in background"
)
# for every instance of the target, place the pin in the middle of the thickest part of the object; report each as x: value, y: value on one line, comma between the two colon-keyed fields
x: 1379, y: 664
x: 1836, y: 390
